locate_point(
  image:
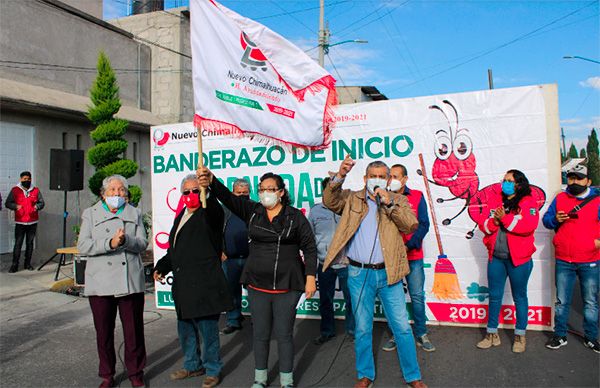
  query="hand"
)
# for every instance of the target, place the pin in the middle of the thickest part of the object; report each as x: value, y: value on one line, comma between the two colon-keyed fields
x: 562, y: 217
x: 158, y: 277
x: 499, y: 213
x: 223, y: 257
x: 597, y: 243
x: 345, y: 167
x: 205, y: 177
x: 384, y: 195
x: 19, y: 207
x: 311, y: 286
x: 118, y: 239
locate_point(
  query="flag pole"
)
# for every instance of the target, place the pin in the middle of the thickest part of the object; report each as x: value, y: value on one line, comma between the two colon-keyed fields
x: 200, y: 165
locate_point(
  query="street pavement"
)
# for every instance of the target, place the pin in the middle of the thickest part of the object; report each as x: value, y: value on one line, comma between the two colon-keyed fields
x: 47, y: 339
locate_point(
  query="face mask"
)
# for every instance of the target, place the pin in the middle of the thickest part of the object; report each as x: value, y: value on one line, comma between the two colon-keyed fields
x: 395, y: 185
x: 575, y: 189
x: 26, y: 184
x: 268, y: 200
x: 372, y: 183
x: 115, y: 202
x: 191, y: 201
x: 246, y: 197
x: 508, y: 188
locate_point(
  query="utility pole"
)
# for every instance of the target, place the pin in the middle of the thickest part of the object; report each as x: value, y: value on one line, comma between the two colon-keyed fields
x: 490, y: 79
x: 562, y: 135
x: 323, y: 34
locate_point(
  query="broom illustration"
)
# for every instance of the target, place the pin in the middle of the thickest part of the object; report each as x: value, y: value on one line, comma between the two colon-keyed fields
x: 445, y: 280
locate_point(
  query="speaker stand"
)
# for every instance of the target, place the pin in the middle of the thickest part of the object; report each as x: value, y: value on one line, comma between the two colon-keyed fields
x: 63, y: 256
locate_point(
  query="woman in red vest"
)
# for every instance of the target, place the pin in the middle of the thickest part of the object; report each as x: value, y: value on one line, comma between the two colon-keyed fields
x: 512, y: 217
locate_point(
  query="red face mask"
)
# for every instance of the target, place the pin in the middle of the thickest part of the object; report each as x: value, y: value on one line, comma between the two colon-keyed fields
x: 192, y: 200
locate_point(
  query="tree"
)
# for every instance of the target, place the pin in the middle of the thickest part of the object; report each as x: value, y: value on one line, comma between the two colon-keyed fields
x: 110, y: 147
x: 572, y: 152
x: 582, y: 153
x: 593, y: 159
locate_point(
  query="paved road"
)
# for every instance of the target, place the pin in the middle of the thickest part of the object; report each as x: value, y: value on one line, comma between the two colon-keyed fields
x: 47, y: 340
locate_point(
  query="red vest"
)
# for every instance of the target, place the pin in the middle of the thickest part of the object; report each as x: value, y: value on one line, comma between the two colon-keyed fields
x: 414, y: 198
x: 574, y: 239
x: 27, y: 213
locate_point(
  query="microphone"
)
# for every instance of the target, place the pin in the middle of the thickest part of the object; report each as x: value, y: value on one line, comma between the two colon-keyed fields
x: 377, y: 197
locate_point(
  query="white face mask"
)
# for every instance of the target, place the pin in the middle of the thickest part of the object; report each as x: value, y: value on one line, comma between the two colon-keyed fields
x: 395, y: 185
x: 372, y: 183
x: 268, y: 200
x: 115, y: 202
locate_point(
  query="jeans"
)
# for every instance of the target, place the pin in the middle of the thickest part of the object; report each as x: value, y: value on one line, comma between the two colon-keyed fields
x: 588, y: 274
x: 498, y: 270
x: 21, y: 231
x: 233, y: 271
x: 273, y: 313
x: 364, y: 286
x: 326, y: 294
x: 416, y: 281
x: 131, y: 312
x: 189, y: 331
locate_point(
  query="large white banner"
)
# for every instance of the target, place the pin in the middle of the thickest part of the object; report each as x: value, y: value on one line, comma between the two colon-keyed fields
x: 468, y: 142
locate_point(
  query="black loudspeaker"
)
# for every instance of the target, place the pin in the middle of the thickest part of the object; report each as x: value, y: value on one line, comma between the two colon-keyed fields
x: 66, y: 170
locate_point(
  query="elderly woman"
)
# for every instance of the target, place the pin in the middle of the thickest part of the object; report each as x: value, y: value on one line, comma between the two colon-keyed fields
x: 112, y: 237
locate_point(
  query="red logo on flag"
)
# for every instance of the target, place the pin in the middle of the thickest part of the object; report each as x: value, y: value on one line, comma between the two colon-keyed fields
x: 252, y: 57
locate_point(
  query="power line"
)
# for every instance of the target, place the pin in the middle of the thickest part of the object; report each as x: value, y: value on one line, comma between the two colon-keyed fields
x: 292, y: 16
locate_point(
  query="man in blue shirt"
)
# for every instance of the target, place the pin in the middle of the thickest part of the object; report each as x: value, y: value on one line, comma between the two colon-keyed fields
x: 324, y: 223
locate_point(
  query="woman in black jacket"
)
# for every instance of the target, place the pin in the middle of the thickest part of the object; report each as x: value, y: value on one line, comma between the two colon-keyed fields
x: 275, y: 274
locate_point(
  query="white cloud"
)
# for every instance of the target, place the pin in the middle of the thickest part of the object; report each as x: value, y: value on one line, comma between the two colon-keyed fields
x: 592, y: 82
x: 570, y: 121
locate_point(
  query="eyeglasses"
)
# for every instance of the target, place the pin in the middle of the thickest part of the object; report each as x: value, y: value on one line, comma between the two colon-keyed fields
x: 187, y: 192
x: 268, y: 190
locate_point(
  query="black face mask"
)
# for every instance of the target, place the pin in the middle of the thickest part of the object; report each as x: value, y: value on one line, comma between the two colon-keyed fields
x: 26, y: 184
x: 246, y: 197
x: 576, y: 189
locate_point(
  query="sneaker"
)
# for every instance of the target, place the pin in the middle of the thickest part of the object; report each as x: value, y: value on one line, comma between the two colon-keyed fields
x: 211, y: 381
x: 230, y: 329
x: 365, y: 382
x: 184, y: 374
x: 490, y: 339
x: 424, y: 342
x: 417, y: 384
x: 519, y: 344
x: 29, y: 267
x: 556, y: 342
x: 13, y: 268
x: 592, y: 344
x: 389, y: 346
x: 137, y: 381
x: 320, y: 340
x: 107, y: 383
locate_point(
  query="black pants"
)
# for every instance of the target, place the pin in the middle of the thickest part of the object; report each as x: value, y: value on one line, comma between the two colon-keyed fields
x: 273, y: 313
x: 20, y: 232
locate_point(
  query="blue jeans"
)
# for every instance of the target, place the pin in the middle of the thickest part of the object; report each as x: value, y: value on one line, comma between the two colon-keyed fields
x: 497, y: 272
x: 416, y: 281
x: 364, y: 286
x: 588, y: 274
x: 189, y: 331
x: 326, y: 294
x: 233, y: 271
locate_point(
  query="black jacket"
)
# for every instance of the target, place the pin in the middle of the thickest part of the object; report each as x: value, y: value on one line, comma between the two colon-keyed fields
x: 199, y: 285
x: 274, y: 261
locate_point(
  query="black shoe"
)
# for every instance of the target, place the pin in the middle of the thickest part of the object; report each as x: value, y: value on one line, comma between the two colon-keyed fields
x: 320, y: 340
x: 230, y: 329
x: 556, y: 342
x: 592, y: 344
x: 28, y: 267
x: 13, y: 268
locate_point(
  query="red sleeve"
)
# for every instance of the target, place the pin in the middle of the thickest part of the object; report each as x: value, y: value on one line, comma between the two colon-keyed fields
x: 524, y: 223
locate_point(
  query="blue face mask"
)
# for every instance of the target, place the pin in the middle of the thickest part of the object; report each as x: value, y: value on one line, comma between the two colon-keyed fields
x: 115, y: 202
x: 508, y: 188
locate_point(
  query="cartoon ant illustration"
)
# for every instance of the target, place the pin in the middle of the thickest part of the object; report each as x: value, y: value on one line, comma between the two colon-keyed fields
x: 454, y: 168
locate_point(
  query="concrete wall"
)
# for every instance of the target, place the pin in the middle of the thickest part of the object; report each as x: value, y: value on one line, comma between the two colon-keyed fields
x: 172, y: 90
x: 91, y: 7
x: 350, y: 95
x: 35, y: 33
x: 49, y: 134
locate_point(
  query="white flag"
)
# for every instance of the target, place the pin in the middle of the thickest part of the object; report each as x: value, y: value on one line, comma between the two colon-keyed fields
x: 250, y: 81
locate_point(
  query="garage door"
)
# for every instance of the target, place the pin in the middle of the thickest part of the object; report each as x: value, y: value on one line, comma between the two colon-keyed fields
x: 16, y: 155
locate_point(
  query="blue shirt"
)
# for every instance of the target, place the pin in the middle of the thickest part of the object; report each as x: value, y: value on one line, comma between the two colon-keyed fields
x: 366, y: 239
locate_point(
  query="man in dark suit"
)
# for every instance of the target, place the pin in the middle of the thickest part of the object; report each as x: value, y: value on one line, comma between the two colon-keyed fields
x: 199, y: 288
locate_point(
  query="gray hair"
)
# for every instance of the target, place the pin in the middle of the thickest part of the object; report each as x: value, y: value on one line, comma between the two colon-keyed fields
x: 375, y: 164
x: 188, y: 177
x: 241, y: 182
x: 106, y: 181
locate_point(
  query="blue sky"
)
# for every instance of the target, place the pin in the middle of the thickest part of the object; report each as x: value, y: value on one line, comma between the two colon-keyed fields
x: 425, y: 47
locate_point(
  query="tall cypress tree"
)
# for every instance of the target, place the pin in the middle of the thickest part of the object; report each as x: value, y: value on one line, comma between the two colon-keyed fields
x: 573, y: 152
x: 108, y: 153
x: 593, y: 159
